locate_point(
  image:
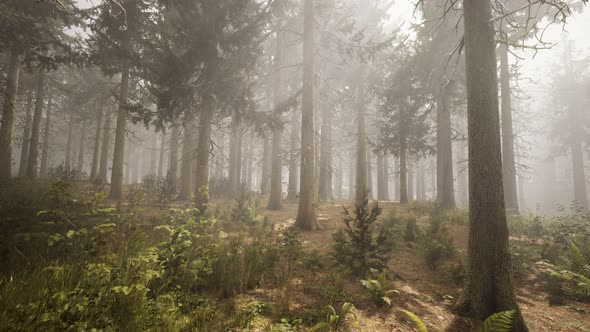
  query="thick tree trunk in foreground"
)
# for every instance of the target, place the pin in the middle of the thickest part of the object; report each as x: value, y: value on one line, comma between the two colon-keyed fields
x: 325, y: 186
x: 203, y: 145
x: 46, y: 136
x: 186, y: 165
x: 8, y: 111
x: 444, y: 156
x: 306, y: 213
x: 97, y: 145
x: 508, y: 161
x: 24, y: 154
x: 489, y: 287
x: 33, y: 160
x: 104, y: 153
x: 119, y: 153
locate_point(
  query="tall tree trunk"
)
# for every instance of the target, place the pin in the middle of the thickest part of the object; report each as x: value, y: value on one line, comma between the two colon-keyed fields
x: 33, y: 160
x: 351, y: 179
x: 444, y: 155
x: 250, y: 161
x: 119, y: 153
x: 380, y: 178
x: 306, y: 213
x: 154, y: 154
x: 266, y: 167
x: 275, y: 200
x: 46, y: 136
x: 339, y: 178
x: 104, y: 153
x: 128, y: 177
x: 186, y: 168
x: 489, y: 287
x: 385, y: 176
x: 203, y: 144
x: 81, y: 151
x: 462, y: 181
x: 361, y: 146
x: 579, y: 177
x: 325, y: 187
x: 235, y: 156
x: 24, y: 154
x: 508, y: 162
x: 97, y: 145
x: 173, y: 163
x: 162, y: 155
x: 410, y: 179
x: 421, y: 183
x: 292, y: 190
x: 396, y: 179
x: 8, y: 111
x: 369, y: 174
x: 403, y: 173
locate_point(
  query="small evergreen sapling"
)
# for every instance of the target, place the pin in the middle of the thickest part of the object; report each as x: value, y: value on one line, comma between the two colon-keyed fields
x: 359, y: 246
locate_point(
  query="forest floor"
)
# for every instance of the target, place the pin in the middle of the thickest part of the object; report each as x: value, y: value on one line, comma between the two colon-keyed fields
x: 430, y: 294
x: 48, y: 227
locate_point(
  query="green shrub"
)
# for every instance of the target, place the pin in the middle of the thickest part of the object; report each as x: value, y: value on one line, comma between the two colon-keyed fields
x: 359, y: 246
x: 378, y: 289
x: 411, y: 231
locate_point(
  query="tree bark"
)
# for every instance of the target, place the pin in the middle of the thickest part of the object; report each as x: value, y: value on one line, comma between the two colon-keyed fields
x: 489, y: 286
x: 46, y: 136
x: 444, y: 156
x: 162, y: 155
x: 508, y: 161
x: 203, y: 144
x: 119, y: 152
x: 173, y: 163
x: 380, y: 175
x: 292, y: 190
x: 410, y: 179
x: 266, y: 167
x: 325, y: 187
x: 275, y: 200
x: 361, y: 147
x: 97, y: 145
x: 8, y: 111
x: 306, y: 213
x: 186, y: 166
x: 24, y: 154
x: 235, y: 156
x: 81, y: 151
x: 396, y: 179
x: 385, y: 176
x: 403, y: 173
x: 33, y: 160
x: 104, y: 153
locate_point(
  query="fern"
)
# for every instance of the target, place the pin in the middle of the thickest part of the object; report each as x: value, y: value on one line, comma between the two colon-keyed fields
x: 418, y: 323
x: 499, y: 322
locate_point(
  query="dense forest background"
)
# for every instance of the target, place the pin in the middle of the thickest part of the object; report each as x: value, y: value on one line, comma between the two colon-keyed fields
x: 282, y: 165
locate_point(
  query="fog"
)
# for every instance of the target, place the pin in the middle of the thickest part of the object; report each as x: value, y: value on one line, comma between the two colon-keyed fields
x: 436, y: 109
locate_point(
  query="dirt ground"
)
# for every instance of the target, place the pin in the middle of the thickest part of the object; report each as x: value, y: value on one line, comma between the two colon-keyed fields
x: 431, y: 295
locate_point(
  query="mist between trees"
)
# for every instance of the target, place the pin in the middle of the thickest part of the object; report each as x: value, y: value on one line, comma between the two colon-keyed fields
x: 266, y: 114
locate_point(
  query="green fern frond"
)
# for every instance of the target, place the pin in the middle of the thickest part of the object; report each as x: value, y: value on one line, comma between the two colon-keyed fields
x: 578, y: 262
x: 499, y: 322
x: 417, y: 321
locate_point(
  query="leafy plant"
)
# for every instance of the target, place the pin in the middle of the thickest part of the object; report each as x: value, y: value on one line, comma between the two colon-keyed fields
x: 418, y: 323
x: 499, y: 322
x: 359, y: 246
x: 336, y: 320
x: 378, y: 288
